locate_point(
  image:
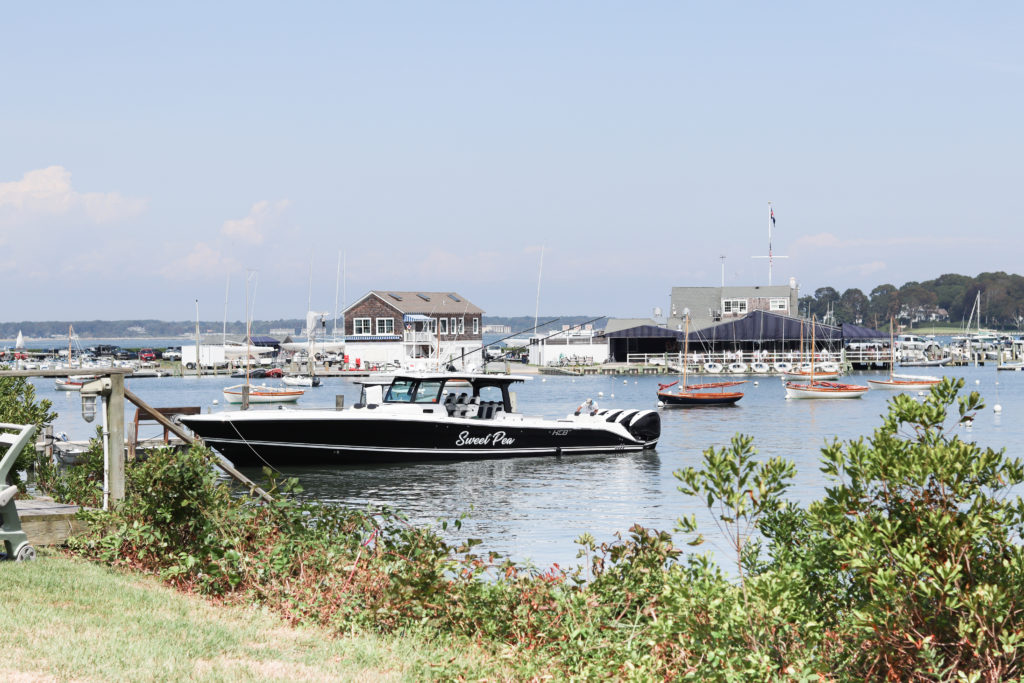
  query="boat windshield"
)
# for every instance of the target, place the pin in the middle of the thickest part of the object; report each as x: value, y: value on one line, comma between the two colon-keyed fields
x: 414, y: 391
x: 400, y: 391
x: 428, y: 391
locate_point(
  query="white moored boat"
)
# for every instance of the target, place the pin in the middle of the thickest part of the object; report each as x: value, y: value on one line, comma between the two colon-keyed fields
x: 261, y: 393
x: 901, y: 382
x: 816, y: 389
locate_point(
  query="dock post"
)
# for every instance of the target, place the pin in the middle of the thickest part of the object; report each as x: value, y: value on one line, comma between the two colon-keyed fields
x: 115, y: 423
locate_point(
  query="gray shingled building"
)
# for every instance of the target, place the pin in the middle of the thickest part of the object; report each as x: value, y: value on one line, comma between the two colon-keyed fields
x: 710, y: 306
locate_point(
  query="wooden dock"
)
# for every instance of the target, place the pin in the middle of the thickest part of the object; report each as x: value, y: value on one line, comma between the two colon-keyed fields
x: 47, y: 522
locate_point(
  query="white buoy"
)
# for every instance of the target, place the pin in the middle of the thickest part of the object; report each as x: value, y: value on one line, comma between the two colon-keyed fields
x: 977, y: 381
x: 543, y: 379
x: 216, y: 402
x: 612, y: 396
x: 661, y: 404
x: 625, y: 381
x: 755, y: 383
x: 600, y: 393
x: 997, y: 408
x: 920, y: 393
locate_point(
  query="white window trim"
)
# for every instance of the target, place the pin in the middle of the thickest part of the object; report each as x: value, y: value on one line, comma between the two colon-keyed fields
x: 734, y: 306
x: 476, y: 325
x: 462, y: 326
x: 454, y: 326
x: 358, y: 322
x: 382, y: 326
x: 778, y: 304
x: 443, y: 326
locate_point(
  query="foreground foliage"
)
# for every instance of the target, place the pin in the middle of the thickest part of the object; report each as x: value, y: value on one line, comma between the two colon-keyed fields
x: 910, y: 567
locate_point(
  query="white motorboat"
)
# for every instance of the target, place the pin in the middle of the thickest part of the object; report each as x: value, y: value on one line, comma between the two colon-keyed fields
x: 301, y: 380
x: 416, y: 417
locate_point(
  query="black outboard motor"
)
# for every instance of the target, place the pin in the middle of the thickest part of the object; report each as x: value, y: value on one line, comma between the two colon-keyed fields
x: 645, y: 426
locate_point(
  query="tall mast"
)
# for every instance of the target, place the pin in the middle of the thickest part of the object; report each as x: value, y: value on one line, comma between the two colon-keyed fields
x: 540, y: 269
x: 199, y: 364
x: 337, y: 279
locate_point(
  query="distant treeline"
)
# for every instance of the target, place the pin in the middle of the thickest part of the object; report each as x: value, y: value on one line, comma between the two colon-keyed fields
x: 948, y: 298
x: 138, y: 328
x: 119, y: 329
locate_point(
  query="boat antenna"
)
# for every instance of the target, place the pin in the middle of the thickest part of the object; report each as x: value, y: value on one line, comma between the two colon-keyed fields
x: 770, y: 256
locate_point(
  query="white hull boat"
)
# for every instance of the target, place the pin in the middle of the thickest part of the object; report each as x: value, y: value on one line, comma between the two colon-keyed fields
x: 261, y: 393
x: 905, y: 382
x: 815, y: 389
x: 301, y: 380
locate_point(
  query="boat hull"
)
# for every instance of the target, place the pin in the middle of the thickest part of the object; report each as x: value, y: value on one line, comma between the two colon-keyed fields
x: 695, y: 398
x: 358, y: 437
x: 261, y: 394
x: 824, y: 390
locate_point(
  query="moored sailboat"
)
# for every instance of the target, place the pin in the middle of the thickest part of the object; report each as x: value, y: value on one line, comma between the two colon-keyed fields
x: 815, y: 388
x: 697, y: 394
x: 901, y: 382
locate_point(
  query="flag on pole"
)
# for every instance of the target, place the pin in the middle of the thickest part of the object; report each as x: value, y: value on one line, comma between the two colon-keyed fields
x: 772, y: 211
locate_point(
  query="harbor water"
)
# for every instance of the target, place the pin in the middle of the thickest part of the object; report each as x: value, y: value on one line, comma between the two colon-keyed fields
x: 534, y: 508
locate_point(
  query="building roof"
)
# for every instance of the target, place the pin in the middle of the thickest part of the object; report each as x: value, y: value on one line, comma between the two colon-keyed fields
x: 616, y: 324
x: 425, y: 303
x: 643, y: 332
x: 766, y: 326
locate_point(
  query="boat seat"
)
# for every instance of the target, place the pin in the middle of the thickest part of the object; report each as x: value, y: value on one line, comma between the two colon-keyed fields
x: 470, y: 409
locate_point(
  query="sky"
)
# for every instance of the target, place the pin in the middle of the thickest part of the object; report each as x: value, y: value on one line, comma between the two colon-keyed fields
x: 151, y: 155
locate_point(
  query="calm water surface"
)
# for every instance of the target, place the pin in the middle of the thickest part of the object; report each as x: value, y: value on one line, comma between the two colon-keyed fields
x: 534, y: 508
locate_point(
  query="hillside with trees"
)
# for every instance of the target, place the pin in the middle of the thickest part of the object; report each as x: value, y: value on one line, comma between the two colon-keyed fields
x: 948, y: 298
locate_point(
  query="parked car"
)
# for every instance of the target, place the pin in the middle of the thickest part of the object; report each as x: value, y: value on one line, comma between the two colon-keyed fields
x: 171, y: 354
x: 124, y: 354
x: 147, y: 354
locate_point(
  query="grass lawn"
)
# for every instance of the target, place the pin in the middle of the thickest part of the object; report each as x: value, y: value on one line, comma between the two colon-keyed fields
x: 68, y: 619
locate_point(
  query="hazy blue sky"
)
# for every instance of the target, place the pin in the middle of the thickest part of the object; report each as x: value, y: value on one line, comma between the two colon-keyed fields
x: 149, y: 151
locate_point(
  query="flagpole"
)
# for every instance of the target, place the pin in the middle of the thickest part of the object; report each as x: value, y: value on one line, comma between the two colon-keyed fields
x: 771, y: 219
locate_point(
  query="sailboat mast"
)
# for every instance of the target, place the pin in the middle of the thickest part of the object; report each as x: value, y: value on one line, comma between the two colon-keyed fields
x: 199, y: 364
x: 540, y: 269
x: 337, y: 280
x: 686, y: 350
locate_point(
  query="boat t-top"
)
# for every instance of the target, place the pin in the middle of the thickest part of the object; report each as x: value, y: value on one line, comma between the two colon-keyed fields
x: 420, y: 416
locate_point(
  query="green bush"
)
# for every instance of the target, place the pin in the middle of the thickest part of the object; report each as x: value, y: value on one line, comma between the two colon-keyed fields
x: 909, y: 568
x: 18, y: 405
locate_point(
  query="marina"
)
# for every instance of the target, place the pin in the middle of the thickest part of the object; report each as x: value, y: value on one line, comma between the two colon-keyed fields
x: 536, y: 507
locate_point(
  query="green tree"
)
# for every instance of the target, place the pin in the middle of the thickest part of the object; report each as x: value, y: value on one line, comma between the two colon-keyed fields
x: 18, y: 405
x: 852, y: 307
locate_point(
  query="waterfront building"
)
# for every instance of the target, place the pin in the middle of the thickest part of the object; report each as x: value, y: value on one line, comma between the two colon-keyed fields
x: 413, y: 328
x: 711, y: 306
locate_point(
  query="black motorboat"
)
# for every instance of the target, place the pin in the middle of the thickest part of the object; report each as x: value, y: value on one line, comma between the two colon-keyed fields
x: 420, y: 416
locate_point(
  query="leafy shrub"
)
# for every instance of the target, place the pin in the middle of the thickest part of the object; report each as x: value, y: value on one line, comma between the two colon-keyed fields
x: 18, y: 405
x: 909, y: 568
